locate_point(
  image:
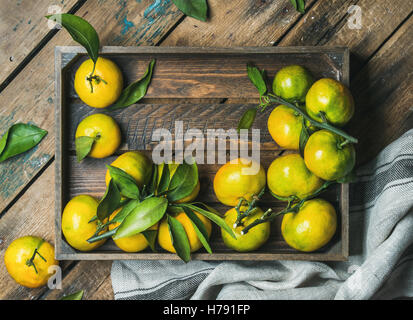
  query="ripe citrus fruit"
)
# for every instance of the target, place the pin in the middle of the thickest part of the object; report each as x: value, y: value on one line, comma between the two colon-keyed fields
x: 326, y: 158
x: 172, y: 169
x: 250, y: 241
x: 288, y: 176
x: 75, y: 222
x: 135, y: 164
x: 238, y: 179
x: 134, y: 243
x: 28, y: 260
x: 333, y: 99
x: 292, y: 83
x: 104, y: 130
x: 284, y: 125
x: 164, y: 237
x: 101, y: 89
x: 311, y: 227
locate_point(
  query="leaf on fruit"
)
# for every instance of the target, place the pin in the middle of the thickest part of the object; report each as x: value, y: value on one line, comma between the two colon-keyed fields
x: 179, y: 239
x: 83, y: 145
x: 110, y: 201
x: 125, y: 182
x: 143, y: 216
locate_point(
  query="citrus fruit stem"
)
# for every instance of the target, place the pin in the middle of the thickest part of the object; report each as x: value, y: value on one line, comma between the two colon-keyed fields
x: 269, y: 215
x: 30, y: 262
x: 250, y: 210
x: 322, y: 125
x: 103, y: 235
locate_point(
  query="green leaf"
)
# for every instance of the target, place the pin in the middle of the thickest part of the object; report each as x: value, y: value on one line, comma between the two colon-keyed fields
x: 199, y: 228
x: 110, y: 201
x: 304, y: 136
x: 247, y: 119
x: 211, y: 216
x: 81, y: 31
x: 194, y: 8
x: 125, y: 182
x: 135, y: 91
x: 165, y: 178
x: 299, y: 5
x: 19, y: 138
x: 183, y: 181
x: 83, y: 147
x: 257, y: 78
x: 74, y: 296
x: 150, y: 236
x: 179, y: 239
x: 142, y: 217
x: 125, y: 211
x: 153, y: 182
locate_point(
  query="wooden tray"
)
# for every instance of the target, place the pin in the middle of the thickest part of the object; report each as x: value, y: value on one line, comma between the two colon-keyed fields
x: 204, y: 88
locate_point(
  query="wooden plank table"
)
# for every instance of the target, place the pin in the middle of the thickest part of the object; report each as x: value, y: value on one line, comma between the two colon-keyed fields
x: 381, y: 82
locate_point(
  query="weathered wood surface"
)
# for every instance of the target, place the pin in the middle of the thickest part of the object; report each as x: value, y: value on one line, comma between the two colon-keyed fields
x: 381, y: 19
x: 23, y: 27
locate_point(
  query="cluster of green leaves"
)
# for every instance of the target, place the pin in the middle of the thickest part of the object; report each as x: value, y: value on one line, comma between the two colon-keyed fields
x: 142, y: 209
x: 19, y: 138
x: 197, y: 9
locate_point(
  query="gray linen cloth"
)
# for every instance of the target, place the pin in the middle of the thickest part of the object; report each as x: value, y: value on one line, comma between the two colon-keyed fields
x: 380, y: 265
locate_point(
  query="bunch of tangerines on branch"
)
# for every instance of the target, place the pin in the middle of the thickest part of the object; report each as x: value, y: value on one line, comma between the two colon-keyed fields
x: 306, y: 120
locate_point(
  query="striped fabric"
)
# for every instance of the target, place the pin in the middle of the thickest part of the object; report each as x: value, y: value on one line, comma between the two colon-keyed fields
x: 381, y: 252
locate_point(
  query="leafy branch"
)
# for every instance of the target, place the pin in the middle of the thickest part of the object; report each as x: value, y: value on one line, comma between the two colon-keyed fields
x: 266, y: 99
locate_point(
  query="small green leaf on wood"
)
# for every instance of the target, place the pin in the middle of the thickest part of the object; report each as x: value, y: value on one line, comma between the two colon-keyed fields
x: 179, y: 239
x: 143, y: 216
x: 135, y: 91
x: 257, y: 78
x: 83, y: 145
x: 125, y: 182
x: 197, y: 9
x: 110, y: 201
x: 299, y: 5
x: 81, y: 31
x: 19, y: 138
x: 247, y: 119
x: 74, y: 296
x: 199, y: 228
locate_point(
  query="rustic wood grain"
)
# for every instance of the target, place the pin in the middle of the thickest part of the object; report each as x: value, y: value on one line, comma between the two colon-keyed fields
x: 22, y: 27
x: 326, y: 24
x: 88, y: 276
x: 214, y: 73
x: 237, y: 23
x: 35, y: 82
x: 383, y: 90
